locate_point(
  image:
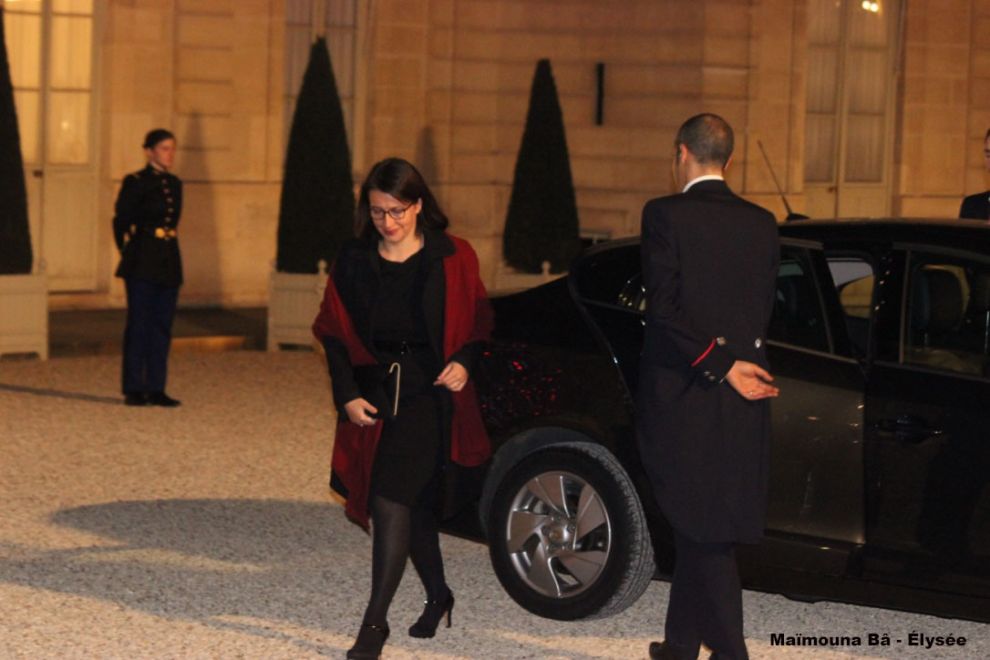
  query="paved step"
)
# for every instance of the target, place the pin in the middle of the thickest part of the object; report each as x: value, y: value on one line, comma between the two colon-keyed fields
x: 100, y: 331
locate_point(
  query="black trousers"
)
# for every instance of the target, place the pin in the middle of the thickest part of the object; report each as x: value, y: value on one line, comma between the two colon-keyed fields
x: 705, y: 601
x: 150, y: 311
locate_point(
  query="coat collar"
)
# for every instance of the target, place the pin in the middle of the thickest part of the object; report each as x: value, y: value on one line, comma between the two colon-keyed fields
x: 151, y: 171
x: 709, y: 186
x: 704, y: 177
x: 436, y: 245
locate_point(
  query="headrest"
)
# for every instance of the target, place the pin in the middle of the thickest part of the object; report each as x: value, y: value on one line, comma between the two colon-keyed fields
x: 787, y: 296
x: 979, y: 292
x: 797, y: 297
x: 936, y: 301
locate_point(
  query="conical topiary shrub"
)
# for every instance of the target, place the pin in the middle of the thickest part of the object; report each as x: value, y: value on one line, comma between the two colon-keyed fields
x: 316, y: 212
x: 15, y: 237
x: 542, y: 222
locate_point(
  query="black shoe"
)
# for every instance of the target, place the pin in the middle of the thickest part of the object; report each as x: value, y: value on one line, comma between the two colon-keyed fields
x: 432, y: 615
x: 660, y: 651
x: 135, y: 399
x: 370, y: 640
x: 163, y: 400
x: 665, y: 651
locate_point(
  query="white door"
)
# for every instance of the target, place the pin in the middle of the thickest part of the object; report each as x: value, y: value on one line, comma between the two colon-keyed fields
x: 50, y: 45
x: 852, y: 50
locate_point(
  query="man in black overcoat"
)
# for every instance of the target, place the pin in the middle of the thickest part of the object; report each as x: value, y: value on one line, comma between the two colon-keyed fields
x: 709, y: 268
x: 145, y: 228
x: 977, y: 207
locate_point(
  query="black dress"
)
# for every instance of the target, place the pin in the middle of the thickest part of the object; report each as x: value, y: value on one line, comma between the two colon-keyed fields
x: 410, y: 452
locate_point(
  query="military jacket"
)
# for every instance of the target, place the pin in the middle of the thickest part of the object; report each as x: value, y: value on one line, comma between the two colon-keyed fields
x: 976, y: 207
x: 145, y: 227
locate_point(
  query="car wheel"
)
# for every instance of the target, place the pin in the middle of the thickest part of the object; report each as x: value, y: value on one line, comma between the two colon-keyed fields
x: 567, y: 535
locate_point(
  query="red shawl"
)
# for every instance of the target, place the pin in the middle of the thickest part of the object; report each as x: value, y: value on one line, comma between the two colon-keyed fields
x: 467, y: 318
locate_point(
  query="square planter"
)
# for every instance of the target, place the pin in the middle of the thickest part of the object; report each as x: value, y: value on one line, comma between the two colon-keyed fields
x: 24, y: 314
x: 293, y: 303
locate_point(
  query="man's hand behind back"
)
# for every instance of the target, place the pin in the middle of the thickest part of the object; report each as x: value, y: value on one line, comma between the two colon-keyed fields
x: 751, y: 381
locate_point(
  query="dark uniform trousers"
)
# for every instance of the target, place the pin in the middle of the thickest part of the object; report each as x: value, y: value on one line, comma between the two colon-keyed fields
x: 705, y: 602
x: 150, y: 310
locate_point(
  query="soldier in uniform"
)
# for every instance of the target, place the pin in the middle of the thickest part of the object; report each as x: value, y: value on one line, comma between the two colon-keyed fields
x: 145, y: 228
x: 709, y: 267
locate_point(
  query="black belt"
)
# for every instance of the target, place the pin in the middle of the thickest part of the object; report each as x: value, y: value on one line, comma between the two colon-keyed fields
x: 401, y: 347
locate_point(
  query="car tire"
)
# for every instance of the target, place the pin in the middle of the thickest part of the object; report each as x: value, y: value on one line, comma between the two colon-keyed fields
x: 567, y: 535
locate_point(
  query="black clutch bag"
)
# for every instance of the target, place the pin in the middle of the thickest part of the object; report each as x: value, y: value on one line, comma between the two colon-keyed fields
x: 379, y: 385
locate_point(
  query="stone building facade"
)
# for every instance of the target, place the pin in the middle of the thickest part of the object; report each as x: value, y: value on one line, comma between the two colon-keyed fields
x: 860, y: 112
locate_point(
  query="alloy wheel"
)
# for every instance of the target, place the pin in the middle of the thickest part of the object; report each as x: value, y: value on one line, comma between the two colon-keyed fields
x: 558, y: 534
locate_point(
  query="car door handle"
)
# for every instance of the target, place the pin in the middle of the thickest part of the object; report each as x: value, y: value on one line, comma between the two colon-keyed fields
x: 908, y: 429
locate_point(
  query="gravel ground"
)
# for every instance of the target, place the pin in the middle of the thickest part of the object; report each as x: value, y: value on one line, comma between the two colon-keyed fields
x: 207, y: 532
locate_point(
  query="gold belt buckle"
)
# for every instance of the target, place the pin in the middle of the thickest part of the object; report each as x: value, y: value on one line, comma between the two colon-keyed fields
x: 165, y: 233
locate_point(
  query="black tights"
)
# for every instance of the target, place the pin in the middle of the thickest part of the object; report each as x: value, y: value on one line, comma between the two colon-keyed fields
x: 400, y: 532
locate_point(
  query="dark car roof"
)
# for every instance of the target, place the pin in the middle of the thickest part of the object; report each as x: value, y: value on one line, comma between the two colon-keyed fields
x: 973, y: 235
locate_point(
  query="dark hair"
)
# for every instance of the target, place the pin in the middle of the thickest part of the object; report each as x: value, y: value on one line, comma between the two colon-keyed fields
x: 987, y: 136
x: 708, y: 137
x: 155, y: 136
x: 400, y: 179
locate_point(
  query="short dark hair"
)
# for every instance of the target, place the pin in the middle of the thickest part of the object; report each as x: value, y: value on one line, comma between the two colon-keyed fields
x: 155, y: 136
x: 708, y: 137
x: 400, y: 179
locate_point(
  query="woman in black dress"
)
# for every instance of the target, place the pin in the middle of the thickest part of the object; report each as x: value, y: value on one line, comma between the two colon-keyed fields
x: 404, y: 292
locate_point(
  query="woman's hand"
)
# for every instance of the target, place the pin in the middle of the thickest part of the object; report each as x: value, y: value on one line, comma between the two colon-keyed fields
x: 454, y: 377
x: 359, y: 411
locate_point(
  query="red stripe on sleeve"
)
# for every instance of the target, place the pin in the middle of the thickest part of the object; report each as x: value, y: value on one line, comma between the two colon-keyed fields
x: 704, y: 355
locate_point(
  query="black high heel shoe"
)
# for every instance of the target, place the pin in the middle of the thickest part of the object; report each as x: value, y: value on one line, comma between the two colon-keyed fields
x: 432, y: 614
x: 370, y: 640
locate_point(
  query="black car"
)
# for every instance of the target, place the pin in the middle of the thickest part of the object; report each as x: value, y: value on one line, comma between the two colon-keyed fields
x: 880, y: 459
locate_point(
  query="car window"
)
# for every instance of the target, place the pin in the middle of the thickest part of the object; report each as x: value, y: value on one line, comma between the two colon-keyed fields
x: 797, y: 311
x: 948, y: 314
x: 612, y: 277
x: 633, y: 294
x: 853, y: 279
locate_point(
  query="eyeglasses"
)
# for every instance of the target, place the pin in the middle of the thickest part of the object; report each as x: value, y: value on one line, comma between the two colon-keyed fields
x: 377, y: 213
